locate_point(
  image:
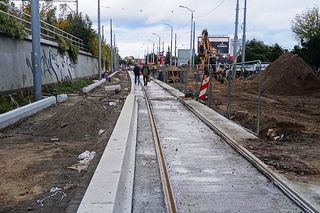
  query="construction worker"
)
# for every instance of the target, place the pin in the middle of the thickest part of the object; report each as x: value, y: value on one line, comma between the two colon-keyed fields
x: 145, y: 73
x: 136, y: 71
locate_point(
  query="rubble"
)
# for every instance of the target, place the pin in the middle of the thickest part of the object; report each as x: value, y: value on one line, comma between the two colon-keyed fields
x: 83, y: 161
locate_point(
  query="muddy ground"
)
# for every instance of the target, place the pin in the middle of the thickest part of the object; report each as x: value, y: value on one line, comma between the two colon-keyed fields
x: 295, y: 119
x: 36, y: 153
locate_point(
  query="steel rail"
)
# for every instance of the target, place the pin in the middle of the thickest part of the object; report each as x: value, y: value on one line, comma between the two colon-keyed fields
x: 168, y: 194
x: 277, y: 180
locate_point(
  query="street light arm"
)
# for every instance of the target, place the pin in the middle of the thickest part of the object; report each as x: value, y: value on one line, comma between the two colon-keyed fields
x: 186, y: 8
x: 168, y: 25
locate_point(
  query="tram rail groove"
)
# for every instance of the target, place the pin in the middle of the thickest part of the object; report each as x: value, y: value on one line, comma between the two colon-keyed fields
x: 277, y: 180
x: 168, y: 194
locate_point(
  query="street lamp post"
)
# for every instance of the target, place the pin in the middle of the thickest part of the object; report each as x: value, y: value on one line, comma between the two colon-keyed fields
x: 170, y: 42
x: 190, y: 32
x: 111, y: 47
x: 152, y: 50
x: 175, y: 49
x: 36, y: 57
x: 99, y: 42
x: 146, y: 48
x: 235, y: 42
x: 159, y: 41
x: 244, y: 32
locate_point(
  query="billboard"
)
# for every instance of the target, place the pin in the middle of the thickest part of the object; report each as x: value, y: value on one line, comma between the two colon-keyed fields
x: 220, y: 43
x: 183, y: 56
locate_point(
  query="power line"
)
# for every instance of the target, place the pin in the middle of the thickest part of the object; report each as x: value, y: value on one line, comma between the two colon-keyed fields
x: 220, y: 3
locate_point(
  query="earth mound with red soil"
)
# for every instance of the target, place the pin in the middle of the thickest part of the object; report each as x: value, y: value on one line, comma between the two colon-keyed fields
x: 289, y: 75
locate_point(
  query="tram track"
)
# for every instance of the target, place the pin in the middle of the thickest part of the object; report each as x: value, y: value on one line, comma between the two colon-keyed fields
x: 166, y: 185
x: 277, y: 180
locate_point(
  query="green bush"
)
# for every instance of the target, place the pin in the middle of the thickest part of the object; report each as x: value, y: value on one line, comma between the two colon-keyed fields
x: 6, y: 104
x: 71, y: 87
x: 62, y: 45
x: 73, y: 53
x: 66, y: 46
x: 12, y: 27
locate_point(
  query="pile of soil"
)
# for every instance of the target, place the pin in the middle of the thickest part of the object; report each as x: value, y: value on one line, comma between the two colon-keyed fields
x: 288, y: 75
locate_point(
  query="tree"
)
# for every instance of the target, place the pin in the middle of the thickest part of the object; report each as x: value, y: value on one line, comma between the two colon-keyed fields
x: 167, y: 58
x: 80, y: 26
x: 48, y: 13
x: 150, y: 58
x: 307, y: 25
x: 11, y: 26
x: 257, y: 50
x: 275, y: 52
x: 306, y: 28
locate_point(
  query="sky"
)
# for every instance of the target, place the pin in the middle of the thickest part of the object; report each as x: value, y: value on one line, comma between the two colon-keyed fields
x: 134, y: 22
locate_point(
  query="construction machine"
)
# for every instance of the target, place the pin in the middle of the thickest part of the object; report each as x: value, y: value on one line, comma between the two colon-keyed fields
x: 209, y: 56
x: 208, y: 67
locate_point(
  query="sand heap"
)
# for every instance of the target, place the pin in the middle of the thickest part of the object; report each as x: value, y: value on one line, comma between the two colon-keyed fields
x: 289, y: 75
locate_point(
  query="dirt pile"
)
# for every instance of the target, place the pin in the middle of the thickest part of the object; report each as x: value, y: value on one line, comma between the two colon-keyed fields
x: 289, y: 75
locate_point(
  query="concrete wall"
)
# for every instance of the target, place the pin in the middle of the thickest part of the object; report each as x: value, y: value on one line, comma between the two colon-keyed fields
x: 16, y: 64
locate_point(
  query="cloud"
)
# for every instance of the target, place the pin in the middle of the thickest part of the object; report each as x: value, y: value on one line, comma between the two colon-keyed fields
x: 135, y: 21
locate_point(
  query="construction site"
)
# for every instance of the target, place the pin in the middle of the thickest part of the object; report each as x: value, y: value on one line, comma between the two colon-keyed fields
x: 289, y: 112
x: 98, y: 133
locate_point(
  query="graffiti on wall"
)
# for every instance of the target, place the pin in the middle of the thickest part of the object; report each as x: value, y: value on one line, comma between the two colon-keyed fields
x: 55, y: 64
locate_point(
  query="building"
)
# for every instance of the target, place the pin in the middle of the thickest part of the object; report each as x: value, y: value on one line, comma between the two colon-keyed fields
x: 183, y: 56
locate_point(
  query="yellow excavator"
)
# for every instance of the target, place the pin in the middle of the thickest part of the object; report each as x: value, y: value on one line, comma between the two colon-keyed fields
x: 209, y: 55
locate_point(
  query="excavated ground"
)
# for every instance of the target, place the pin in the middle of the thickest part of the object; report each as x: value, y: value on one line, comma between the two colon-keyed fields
x: 290, y: 110
x: 36, y: 153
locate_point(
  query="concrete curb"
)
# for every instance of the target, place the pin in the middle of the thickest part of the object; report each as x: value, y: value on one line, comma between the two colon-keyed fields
x: 13, y: 116
x: 93, y: 86
x: 232, y: 132
x: 111, y: 187
x: 96, y: 84
x: 61, y: 98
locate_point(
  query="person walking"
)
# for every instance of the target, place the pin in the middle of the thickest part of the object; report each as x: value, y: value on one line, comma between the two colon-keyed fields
x: 136, y: 71
x: 145, y: 73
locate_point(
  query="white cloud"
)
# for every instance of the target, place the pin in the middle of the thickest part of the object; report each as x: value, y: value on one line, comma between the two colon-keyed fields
x: 135, y: 21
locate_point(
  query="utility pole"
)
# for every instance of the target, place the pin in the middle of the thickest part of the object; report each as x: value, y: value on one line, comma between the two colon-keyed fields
x: 162, y: 47
x: 175, y: 49
x: 190, y: 60
x: 193, y: 44
x: 159, y: 44
x: 191, y: 40
x: 111, y: 49
x: 153, y: 52
x: 171, y: 34
x: 235, y: 40
x: 148, y: 54
x: 99, y: 42
x: 77, y: 7
x: 36, y: 59
x: 244, y: 32
x: 114, y: 52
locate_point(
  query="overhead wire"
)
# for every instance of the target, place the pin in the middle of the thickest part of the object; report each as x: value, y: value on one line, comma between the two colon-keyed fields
x: 208, y: 13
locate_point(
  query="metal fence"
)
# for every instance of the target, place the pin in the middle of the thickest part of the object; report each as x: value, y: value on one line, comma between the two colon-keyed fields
x: 48, y: 31
x: 224, y: 84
